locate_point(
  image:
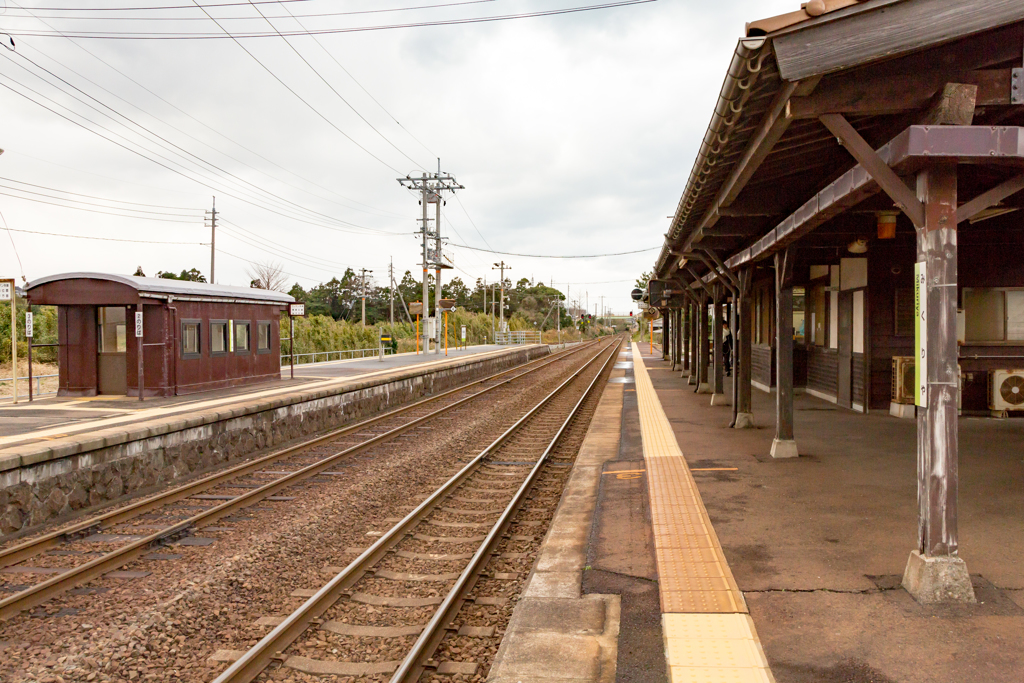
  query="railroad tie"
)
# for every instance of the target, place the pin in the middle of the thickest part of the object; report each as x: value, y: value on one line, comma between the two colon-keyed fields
x: 395, y: 601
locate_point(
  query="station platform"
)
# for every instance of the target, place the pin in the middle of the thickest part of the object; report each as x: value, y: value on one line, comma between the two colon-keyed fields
x: 711, y: 561
x: 62, y: 456
x: 631, y: 583
x: 52, y: 417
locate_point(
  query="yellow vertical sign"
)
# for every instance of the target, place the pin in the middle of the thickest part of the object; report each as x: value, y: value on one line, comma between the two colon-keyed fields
x: 920, y: 334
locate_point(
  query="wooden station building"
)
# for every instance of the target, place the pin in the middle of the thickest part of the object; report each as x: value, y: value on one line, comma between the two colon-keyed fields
x: 195, y: 336
x: 862, y: 154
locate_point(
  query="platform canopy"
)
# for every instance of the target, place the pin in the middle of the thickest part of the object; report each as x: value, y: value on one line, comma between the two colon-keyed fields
x: 771, y: 162
x: 108, y: 289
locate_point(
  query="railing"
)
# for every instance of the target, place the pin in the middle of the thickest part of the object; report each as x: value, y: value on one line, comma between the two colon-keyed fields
x: 325, y: 356
x: 517, y: 337
x: 39, y: 384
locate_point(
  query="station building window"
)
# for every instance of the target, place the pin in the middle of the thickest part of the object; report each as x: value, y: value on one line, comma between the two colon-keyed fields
x: 993, y: 315
x: 241, y: 337
x: 218, y: 337
x: 190, y: 342
x: 263, y: 336
x: 816, y: 311
x: 799, y: 315
x: 113, y: 329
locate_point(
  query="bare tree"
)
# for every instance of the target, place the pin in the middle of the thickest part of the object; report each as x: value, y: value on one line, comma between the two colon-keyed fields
x: 267, y: 275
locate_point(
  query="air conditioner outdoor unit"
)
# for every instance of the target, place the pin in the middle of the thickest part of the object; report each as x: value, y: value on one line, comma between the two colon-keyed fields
x: 1005, y: 390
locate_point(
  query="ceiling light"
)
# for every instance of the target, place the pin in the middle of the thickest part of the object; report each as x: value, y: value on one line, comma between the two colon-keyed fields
x: 858, y: 247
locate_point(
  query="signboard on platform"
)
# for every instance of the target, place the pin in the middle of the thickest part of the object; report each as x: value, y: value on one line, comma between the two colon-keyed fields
x: 446, y: 304
x: 5, y: 291
x: 920, y: 334
x: 415, y: 308
x: 463, y: 333
x: 28, y: 324
x: 138, y: 324
x: 297, y: 310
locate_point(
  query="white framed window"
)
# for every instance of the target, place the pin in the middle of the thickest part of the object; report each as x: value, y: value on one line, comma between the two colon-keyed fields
x: 993, y: 314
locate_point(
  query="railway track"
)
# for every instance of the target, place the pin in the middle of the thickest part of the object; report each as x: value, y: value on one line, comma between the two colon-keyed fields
x: 403, y: 592
x: 123, y: 535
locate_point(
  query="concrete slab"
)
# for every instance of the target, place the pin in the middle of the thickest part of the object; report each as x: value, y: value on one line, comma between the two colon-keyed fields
x: 818, y: 544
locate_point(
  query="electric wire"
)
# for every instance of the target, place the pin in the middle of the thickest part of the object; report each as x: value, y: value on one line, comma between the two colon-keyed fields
x: 237, y: 37
x: 237, y: 180
x: 151, y: 8
x: 105, y: 239
x: 176, y: 171
x: 108, y: 213
x: 333, y: 89
x: 89, y: 196
x: 293, y: 92
x: 237, y: 4
x: 354, y: 80
x: 557, y: 256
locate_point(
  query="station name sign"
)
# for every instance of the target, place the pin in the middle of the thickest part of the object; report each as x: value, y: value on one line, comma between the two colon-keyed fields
x: 297, y: 310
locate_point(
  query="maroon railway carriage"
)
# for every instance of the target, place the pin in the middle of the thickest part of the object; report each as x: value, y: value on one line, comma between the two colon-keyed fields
x: 195, y: 336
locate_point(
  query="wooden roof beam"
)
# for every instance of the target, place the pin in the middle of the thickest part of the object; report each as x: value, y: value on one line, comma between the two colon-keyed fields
x: 990, y: 198
x: 905, y: 198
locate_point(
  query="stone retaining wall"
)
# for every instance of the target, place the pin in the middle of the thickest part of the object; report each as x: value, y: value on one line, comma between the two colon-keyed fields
x: 41, y: 484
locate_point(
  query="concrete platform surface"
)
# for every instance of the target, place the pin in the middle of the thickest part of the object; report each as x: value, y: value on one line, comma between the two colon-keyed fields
x: 54, y: 417
x: 818, y: 544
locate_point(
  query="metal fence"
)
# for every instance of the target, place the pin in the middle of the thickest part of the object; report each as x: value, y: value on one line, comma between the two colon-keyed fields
x: 324, y: 356
x: 517, y: 337
x: 38, y: 379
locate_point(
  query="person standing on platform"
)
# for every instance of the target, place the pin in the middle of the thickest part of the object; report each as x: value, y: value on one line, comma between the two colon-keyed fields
x: 727, y: 348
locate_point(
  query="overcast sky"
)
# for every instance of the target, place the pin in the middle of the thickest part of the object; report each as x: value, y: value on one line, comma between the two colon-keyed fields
x: 573, y: 134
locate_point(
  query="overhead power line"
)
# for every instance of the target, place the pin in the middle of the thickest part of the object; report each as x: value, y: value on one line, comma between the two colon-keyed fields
x: 152, y: 8
x: 104, y: 239
x: 106, y: 17
x: 135, y: 35
x: 509, y: 253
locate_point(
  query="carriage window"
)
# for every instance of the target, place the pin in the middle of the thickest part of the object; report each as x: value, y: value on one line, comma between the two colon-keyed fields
x: 190, y: 339
x: 241, y: 337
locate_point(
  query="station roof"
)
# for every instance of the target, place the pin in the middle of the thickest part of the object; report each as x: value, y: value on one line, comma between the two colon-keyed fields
x: 164, y: 287
x: 882, y: 64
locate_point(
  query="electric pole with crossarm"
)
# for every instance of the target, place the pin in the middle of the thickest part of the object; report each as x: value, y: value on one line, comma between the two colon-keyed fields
x: 430, y: 186
x: 501, y: 307
x: 365, y: 271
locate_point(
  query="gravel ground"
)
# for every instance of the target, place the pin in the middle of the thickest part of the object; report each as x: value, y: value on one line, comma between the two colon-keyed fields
x: 164, y: 626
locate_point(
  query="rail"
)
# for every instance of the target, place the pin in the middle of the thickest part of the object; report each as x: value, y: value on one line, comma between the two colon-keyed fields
x: 517, y: 337
x: 249, y: 666
x: 43, y: 591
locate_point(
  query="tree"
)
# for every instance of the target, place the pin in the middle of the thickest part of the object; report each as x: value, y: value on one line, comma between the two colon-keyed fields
x: 297, y: 292
x: 266, y: 275
x: 139, y: 273
x: 192, y: 275
x: 641, y: 282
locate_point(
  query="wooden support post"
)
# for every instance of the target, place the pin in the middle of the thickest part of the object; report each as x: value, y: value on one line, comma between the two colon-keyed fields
x: 744, y: 345
x: 686, y: 315
x: 784, y: 445
x: 139, y: 346
x: 694, y: 336
x: 718, y: 355
x: 679, y: 337
x: 666, y: 332
x: 703, y: 346
x: 934, y: 573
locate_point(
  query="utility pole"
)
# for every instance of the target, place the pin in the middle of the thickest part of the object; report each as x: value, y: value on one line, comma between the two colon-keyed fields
x: 391, y: 276
x: 213, y: 236
x: 438, y: 258
x: 501, y: 307
x: 602, y: 307
x: 365, y: 271
x: 430, y: 185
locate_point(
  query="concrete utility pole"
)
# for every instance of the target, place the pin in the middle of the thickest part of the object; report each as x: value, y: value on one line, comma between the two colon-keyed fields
x: 213, y: 237
x: 501, y: 307
x: 430, y: 185
x: 365, y: 271
x: 391, y: 276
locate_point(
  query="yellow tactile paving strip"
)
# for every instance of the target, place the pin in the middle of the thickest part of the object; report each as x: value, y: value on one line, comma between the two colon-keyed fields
x: 709, y: 638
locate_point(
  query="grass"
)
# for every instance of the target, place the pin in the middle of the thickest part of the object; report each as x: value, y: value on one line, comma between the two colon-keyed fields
x: 49, y: 384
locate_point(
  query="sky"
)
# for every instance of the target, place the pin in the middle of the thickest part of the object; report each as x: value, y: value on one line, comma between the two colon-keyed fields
x: 573, y: 135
